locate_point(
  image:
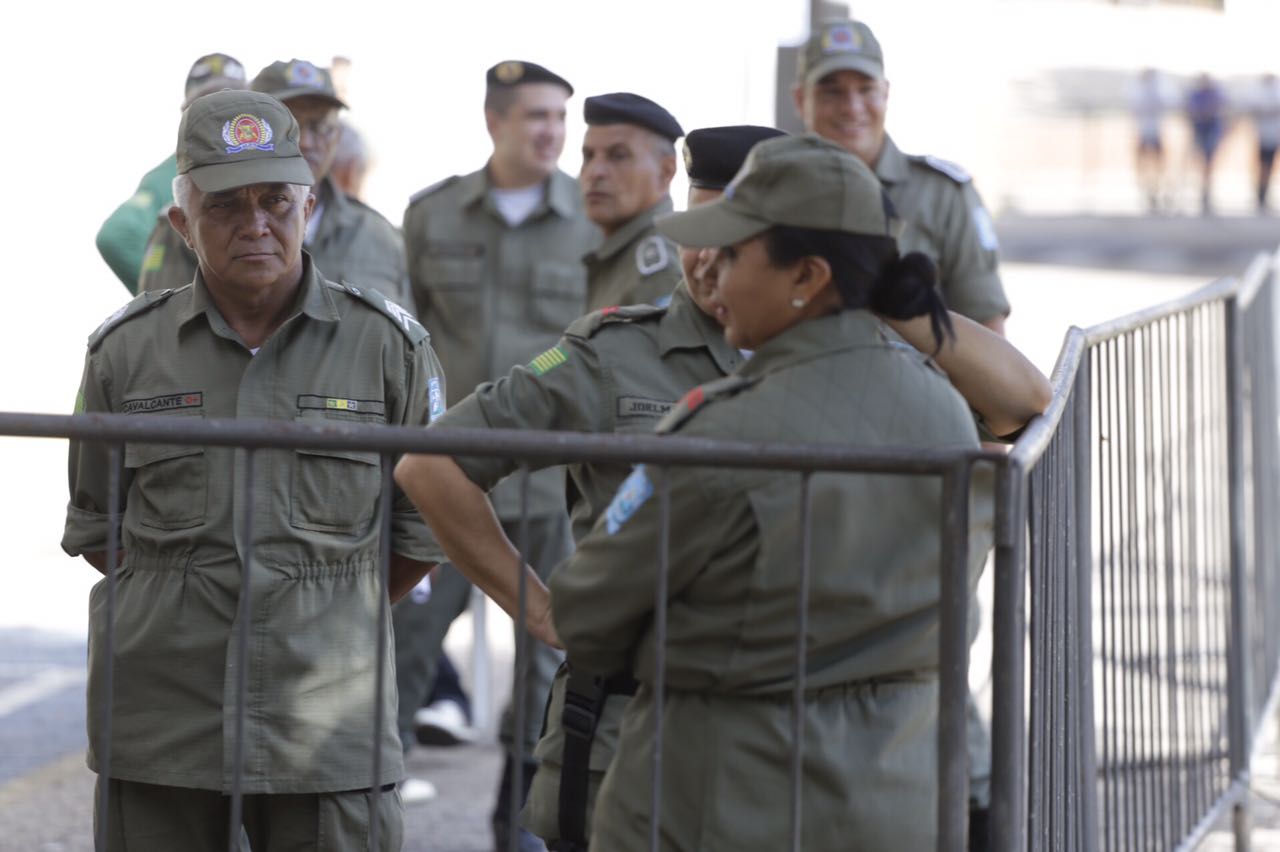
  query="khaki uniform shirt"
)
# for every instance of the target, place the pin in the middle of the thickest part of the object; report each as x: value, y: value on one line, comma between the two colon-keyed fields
x: 635, y: 264
x: 344, y: 356
x: 871, y: 714
x: 494, y: 295
x: 944, y: 218
x: 353, y: 243
x: 613, y: 372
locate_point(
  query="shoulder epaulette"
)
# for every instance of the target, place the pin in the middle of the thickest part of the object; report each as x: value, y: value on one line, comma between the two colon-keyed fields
x: 587, y: 326
x: 952, y: 170
x: 434, y: 188
x: 140, y: 304
x: 700, y: 396
x: 399, y: 317
x: 365, y: 208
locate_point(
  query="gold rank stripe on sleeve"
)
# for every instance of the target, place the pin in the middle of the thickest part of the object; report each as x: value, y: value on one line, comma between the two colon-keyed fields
x: 548, y: 361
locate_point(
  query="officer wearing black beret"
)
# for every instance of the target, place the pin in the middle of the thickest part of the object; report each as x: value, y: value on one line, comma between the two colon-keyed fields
x: 515, y: 73
x: 628, y: 161
x: 713, y: 155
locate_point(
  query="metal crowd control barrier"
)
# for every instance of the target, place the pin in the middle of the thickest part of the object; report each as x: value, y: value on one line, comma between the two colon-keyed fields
x: 1137, y: 617
x: 952, y: 468
x: 1136, y: 635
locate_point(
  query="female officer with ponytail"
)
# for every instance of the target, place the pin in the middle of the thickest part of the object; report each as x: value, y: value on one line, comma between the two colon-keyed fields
x: 806, y: 256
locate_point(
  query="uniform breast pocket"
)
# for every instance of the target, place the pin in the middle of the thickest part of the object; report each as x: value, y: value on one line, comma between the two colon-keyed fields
x: 455, y: 288
x: 557, y: 294
x: 170, y: 485
x: 334, y: 491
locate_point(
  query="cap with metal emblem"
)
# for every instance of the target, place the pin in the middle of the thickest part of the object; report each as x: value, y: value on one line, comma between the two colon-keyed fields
x: 230, y: 139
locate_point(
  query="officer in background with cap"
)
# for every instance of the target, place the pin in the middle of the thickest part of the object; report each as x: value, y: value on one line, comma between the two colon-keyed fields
x: 349, y: 241
x: 258, y: 333
x: 628, y: 161
x: 495, y: 258
x: 841, y: 94
x: 122, y: 239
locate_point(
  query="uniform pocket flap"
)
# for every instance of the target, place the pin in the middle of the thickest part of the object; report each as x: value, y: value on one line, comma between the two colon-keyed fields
x: 349, y: 455
x: 140, y: 455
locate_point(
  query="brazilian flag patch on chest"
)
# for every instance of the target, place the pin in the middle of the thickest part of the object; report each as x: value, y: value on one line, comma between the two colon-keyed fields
x: 548, y: 361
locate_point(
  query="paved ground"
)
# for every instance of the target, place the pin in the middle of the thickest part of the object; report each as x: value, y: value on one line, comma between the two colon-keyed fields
x: 1059, y: 272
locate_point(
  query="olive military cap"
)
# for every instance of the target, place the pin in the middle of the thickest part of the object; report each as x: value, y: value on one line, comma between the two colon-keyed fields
x: 801, y: 181
x: 840, y: 46
x: 230, y: 139
x: 513, y: 72
x: 212, y: 72
x: 713, y: 155
x: 628, y: 108
x: 295, y: 79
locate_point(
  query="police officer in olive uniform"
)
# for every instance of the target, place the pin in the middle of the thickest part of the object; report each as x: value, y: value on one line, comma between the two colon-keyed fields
x: 348, y: 240
x: 613, y: 371
x: 495, y: 258
x: 259, y: 333
x: 841, y: 94
x: 819, y: 373
x: 628, y: 161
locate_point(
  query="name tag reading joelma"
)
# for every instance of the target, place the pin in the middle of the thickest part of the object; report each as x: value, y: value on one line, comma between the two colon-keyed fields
x: 636, y: 406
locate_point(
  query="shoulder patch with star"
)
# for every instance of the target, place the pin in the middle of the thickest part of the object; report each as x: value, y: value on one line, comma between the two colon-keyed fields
x: 140, y: 304
x: 700, y: 396
x: 402, y: 319
x: 588, y: 325
x: 652, y: 255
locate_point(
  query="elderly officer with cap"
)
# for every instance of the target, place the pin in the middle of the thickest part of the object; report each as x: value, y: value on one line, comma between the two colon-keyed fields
x: 495, y: 258
x: 628, y: 161
x: 258, y: 333
x: 122, y: 239
x: 349, y: 241
x: 842, y: 94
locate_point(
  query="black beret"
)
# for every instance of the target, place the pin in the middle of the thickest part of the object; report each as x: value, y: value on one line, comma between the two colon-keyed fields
x: 713, y: 155
x: 514, y: 72
x: 626, y: 108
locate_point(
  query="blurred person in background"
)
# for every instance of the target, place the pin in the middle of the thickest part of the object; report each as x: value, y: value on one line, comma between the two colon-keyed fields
x: 348, y: 240
x: 350, y: 161
x: 1266, y: 121
x: 122, y: 239
x: 628, y: 161
x: 842, y: 94
x: 495, y: 257
x: 1148, y: 104
x: 1207, y: 112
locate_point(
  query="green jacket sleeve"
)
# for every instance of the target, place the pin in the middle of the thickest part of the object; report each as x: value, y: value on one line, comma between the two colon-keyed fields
x: 122, y: 239
x: 89, y: 473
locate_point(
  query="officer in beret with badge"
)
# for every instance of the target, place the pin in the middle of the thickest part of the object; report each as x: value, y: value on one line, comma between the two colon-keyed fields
x: 842, y: 94
x: 258, y: 333
x: 348, y: 240
x: 628, y: 161
x: 495, y: 258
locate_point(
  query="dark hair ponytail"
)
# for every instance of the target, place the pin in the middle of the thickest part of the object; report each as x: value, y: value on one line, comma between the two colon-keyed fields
x: 868, y: 272
x: 907, y: 287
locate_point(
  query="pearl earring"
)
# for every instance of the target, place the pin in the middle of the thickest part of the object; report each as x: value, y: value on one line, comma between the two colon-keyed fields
x: 797, y: 303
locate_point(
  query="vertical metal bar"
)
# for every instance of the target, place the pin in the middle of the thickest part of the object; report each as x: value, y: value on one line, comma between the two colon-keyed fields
x: 953, y: 662
x: 1037, y: 746
x: 1237, y: 668
x: 380, y: 643
x: 802, y: 665
x: 520, y: 685
x: 1168, y: 455
x: 1127, y: 701
x: 1193, y: 562
x: 660, y: 658
x: 1106, y: 528
x: 104, y: 726
x: 1150, y: 612
x: 1118, y: 723
x: 243, y: 615
x: 1008, y: 728
x: 1082, y: 457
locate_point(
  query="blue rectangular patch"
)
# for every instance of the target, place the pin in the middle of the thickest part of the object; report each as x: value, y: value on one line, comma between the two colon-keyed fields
x: 635, y: 489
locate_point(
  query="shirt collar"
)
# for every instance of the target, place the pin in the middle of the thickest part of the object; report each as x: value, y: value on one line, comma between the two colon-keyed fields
x: 636, y: 227
x: 339, y: 212
x: 814, y: 338
x: 685, y: 326
x: 891, y: 165
x: 313, y: 299
x: 561, y: 196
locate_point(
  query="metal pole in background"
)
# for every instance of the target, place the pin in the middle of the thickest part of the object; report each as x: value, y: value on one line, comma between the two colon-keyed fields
x: 1008, y: 726
x: 1237, y: 666
x: 1082, y: 453
x: 953, y: 662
